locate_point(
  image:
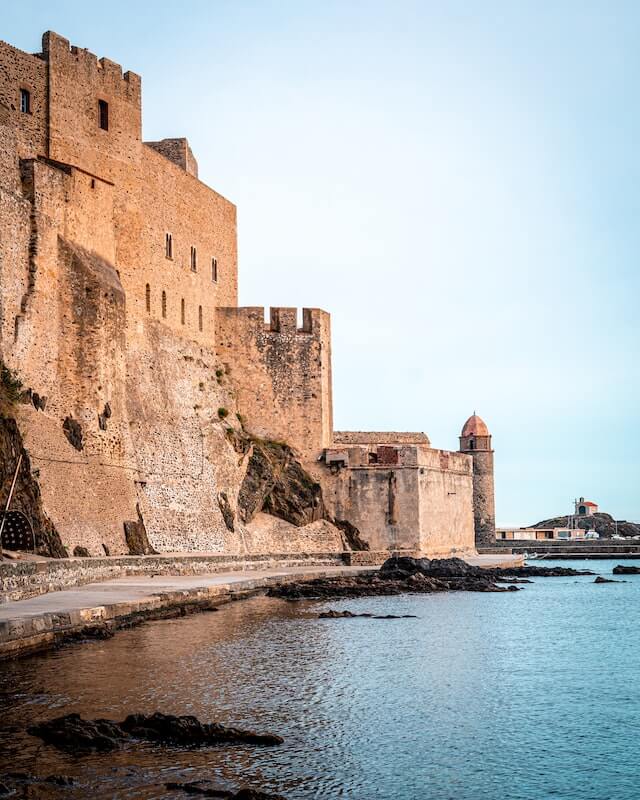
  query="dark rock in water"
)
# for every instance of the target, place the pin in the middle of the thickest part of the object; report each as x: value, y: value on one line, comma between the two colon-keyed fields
x: 340, y: 615
x: 189, y: 730
x: 71, y: 732
x: 197, y: 788
x: 400, y: 575
x: 624, y: 570
x: 600, y: 579
x: 351, y: 615
x: 23, y: 785
x: 541, y: 572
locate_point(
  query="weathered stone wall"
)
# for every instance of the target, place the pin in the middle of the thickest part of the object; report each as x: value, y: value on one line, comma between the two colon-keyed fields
x: 178, y: 151
x: 446, y: 497
x: 23, y: 71
x: 418, y: 499
x: 23, y: 579
x: 484, y: 497
x: 129, y: 413
x: 484, y: 511
x: 171, y: 201
x: 78, y: 80
x: 282, y: 374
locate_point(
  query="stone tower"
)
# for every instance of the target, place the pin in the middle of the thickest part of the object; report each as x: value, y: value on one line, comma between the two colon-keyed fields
x: 475, y: 440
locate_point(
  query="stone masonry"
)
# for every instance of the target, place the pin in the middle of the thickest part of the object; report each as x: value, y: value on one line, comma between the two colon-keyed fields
x: 119, y: 313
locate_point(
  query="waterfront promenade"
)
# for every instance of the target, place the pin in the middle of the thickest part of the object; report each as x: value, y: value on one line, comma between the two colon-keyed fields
x: 40, y: 622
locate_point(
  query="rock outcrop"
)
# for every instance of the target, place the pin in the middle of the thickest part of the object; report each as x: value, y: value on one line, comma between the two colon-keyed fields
x: 604, y: 524
x: 419, y: 576
x: 623, y: 569
x: 275, y: 482
x: 26, y: 497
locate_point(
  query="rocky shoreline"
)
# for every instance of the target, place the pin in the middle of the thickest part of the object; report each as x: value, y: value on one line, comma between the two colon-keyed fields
x: 404, y: 575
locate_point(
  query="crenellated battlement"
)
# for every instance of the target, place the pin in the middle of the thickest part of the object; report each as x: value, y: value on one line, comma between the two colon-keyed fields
x: 282, y: 372
x: 280, y: 319
x: 58, y: 47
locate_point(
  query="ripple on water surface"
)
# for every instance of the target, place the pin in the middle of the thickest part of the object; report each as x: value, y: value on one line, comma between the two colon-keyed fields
x: 518, y: 695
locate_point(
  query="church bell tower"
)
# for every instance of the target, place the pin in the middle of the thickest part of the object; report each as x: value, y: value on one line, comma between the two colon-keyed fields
x: 475, y: 440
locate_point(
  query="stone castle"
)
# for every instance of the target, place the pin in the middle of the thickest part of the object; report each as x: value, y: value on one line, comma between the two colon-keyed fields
x: 146, y: 389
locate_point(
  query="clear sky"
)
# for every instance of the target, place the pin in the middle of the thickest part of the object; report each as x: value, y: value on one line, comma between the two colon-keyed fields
x: 456, y: 182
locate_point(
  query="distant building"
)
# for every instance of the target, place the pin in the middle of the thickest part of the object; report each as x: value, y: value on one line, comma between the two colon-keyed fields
x: 550, y: 534
x: 585, y: 508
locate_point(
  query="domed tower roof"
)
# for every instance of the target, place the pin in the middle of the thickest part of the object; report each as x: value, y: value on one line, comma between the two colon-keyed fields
x: 475, y: 426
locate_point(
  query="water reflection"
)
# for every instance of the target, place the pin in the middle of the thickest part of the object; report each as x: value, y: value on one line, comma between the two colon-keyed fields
x: 510, y: 694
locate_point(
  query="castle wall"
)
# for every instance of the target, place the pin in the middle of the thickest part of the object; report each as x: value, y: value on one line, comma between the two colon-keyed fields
x: 77, y: 82
x: 282, y: 373
x: 446, y: 497
x: 23, y: 71
x: 484, y: 497
x: 168, y: 200
x: 412, y: 497
x: 178, y: 151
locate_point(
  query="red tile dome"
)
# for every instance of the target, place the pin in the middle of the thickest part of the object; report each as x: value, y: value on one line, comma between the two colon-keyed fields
x: 475, y: 426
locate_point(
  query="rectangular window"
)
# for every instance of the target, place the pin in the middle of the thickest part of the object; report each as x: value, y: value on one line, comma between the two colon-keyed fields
x: 168, y: 245
x: 25, y: 101
x: 103, y: 114
x: 214, y: 269
x: 194, y: 259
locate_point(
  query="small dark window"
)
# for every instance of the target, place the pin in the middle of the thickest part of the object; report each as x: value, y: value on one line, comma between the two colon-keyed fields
x: 168, y: 245
x: 103, y: 114
x: 164, y: 305
x: 200, y: 317
x: 182, y: 311
x: 472, y: 445
x: 194, y: 259
x: 214, y: 269
x: 25, y: 101
x: 147, y: 295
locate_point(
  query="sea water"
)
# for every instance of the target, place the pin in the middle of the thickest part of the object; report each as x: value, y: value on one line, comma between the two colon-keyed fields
x: 518, y: 695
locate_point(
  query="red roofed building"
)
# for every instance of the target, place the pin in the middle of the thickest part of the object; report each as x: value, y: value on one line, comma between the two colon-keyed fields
x: 585, y: 508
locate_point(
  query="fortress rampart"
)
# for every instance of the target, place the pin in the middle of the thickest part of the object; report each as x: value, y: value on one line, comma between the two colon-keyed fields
x: 282, y: 373
x: 119, y: 313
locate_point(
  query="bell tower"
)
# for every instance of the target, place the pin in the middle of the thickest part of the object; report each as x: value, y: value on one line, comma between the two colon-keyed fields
x: 475, y: 440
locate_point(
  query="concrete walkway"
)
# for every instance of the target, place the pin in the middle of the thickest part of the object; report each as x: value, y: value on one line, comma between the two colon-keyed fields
x: 39, y: 622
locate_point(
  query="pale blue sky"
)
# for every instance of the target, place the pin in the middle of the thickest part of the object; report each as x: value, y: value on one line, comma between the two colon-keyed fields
x: 456, y: 182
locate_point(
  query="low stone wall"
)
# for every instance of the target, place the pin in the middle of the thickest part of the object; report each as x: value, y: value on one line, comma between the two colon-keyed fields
x: 357, y: 558
x: 24, y: 579
x: 556, y: 546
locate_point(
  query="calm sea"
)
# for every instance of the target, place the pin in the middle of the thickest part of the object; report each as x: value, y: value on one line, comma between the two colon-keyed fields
x: 522, y: 695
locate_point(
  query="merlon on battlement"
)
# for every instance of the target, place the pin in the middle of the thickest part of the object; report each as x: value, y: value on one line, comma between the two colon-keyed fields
x: 281, y: 320
x: 109, y: 69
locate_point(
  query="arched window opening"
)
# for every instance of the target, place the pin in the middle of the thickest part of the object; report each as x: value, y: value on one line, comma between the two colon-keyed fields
x: 182, y: 312
x: 168, y: 245
x: 472, y: 445
x: 164, y: 305
x: 214, y: 270
x: 147, y: 297
x: 199, y: 317
x: 194, y: 259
